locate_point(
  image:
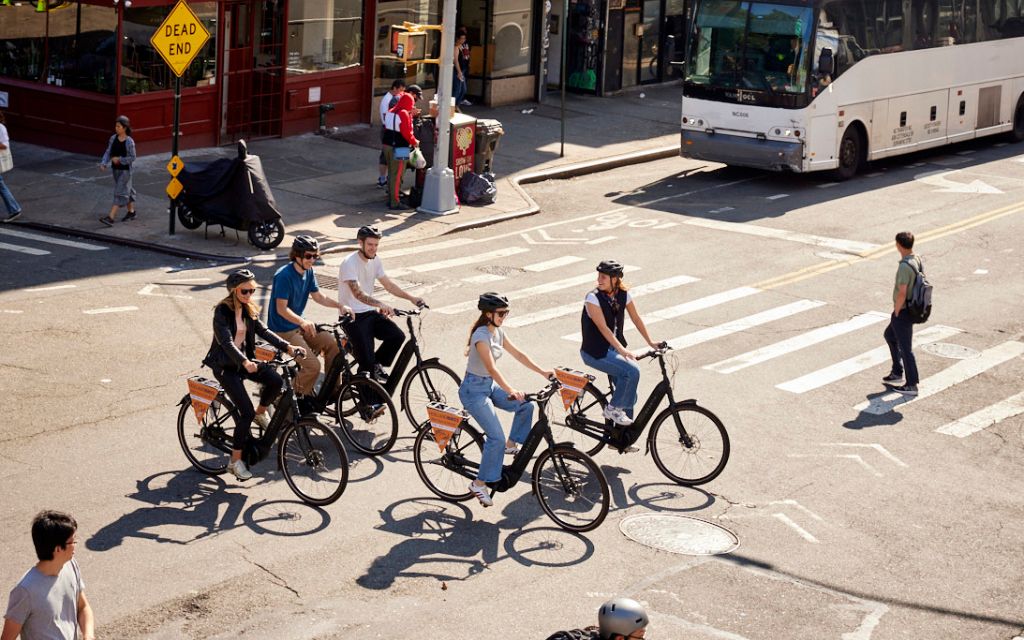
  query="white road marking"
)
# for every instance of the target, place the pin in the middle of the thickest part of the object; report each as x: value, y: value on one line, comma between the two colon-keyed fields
x: 563, y: 261
x: 183, y: 280
x: 576, y: 307
x: 802, y: 341
x: 847, y: 456
x: 777, y: 196
x: 939, y: 179
x: 959, y: 372
x: 12, y: 311
x: 682, y: 309
x: 984, y: 418
x: 947, y: 161
x: 915, y: 165
x: 873, y: 174
x: 53, y: 288
x: 547, y: 287
x: 966, y: 152
x: 458, y: 262
x: 41, y: 238
x: 800, y: 530
x: 28, y: 250
x: 150, y: 290
x: 856, y: 364
x: 93, y: 312
x: 849, y: 246
x: 604, y: 239
x: 736, y: 326
x: 483, y: 278
x: 827, y: 185
x: 980, y: 272
x: 420, y: 248
x: 869, y: 445
x: 793, y: 503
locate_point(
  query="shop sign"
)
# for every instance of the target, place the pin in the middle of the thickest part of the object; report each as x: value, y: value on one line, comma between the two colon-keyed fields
x: 180, y: 37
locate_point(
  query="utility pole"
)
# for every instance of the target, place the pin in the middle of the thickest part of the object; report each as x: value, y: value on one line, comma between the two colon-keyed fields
x: 439, y: 185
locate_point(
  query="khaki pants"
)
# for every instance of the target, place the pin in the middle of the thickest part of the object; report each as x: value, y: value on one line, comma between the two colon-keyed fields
x: 309, y: 366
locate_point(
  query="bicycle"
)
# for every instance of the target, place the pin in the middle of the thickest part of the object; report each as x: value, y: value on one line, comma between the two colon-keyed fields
x: 308, y: 452
x: 683, y: 436
x: 569, y: 486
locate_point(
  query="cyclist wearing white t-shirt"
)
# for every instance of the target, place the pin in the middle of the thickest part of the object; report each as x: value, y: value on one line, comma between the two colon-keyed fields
x: 372, y: 317
x: 604, y: 343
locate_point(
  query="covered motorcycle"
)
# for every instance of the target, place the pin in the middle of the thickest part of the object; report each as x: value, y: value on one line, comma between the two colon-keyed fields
x: 234, y: 193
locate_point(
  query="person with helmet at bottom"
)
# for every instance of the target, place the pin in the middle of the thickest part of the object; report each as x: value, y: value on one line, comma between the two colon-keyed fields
x: 617, y: 619
x: 484, y: 388
x: 232, y: 355
x: 604, y: 342
x: 294, y: 284
x: 356, y: 277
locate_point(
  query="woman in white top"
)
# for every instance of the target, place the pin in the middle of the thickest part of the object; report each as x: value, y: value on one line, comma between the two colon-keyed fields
x: 6, y: 164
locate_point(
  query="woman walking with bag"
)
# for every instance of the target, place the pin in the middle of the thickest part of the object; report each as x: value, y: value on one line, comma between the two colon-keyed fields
x: 6, y: 164
x: 120, y: 155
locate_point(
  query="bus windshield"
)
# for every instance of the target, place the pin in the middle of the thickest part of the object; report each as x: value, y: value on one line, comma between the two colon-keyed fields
x: 750, y: 53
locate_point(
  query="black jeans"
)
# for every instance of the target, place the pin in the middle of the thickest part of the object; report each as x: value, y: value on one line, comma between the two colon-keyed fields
x: 364, y: 329
x: 899, y: 335
x: 232, y: 381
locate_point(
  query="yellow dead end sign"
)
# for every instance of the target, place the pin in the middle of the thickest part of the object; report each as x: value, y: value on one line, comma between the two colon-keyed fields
x: 179, y: 38
x: 174, y: 188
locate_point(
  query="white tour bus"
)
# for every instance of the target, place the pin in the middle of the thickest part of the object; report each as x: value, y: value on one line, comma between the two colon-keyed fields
x: 830, y: 84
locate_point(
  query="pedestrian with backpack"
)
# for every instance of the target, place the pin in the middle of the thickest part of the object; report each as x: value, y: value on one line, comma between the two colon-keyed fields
x: 900, y: 332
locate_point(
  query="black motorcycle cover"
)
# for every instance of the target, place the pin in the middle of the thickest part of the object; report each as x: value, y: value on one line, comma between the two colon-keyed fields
x: 229, y: 191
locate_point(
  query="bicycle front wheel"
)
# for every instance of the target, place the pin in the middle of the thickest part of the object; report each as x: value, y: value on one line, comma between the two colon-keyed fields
x: 571, y: 489
x: 367, y: 416
x: 689, y: 444
x: 313, y: 461
x: 588, y: 407
x: 430, y: 382
x: 448, y: 471
x: 207, y: 444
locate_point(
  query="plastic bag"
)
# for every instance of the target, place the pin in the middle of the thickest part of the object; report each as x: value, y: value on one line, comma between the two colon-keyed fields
x: 417, y: 160
x: 477, y: 189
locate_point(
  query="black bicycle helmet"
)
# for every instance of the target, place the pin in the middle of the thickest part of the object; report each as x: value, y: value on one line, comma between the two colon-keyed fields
x: 241, y: 276
x: 492, y: 301
x: 368, y: 232
x: 611, y: 268
x: 620, y: 616
x: 306, y: 243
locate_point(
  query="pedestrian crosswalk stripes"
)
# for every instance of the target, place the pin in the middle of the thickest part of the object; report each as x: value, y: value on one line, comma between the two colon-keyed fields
x: 32, y: 251
x: 984, y: 418
x: 451, y: 263
x: 562, y: 261
x: 862, y: 362
x: 802, y: 341
x: 955, y: 374
x: 575, y: 307
x: 735, y: 326
x: 74, y: 244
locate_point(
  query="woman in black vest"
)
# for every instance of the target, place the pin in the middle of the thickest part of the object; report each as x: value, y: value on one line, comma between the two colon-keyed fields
x: 604, y: 345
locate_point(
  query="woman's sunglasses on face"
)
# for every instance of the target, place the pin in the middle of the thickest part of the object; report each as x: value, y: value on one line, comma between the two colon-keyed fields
x: 247, y: 292
x: 502, y: 313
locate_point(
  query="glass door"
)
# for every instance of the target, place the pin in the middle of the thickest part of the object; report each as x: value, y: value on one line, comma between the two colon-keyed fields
x: 252, y: 76
x: 650, y: 42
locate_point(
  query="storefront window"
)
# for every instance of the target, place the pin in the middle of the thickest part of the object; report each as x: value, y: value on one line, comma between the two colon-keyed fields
x: 142, y: 68
x: 324, y: 35
x: 82, y: 47
x: 513, y: 38
x: 24, y: 41
x: 394, y: 12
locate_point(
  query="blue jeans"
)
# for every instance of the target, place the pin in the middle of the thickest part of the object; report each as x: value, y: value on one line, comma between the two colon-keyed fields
x: 899, y: 335
x: 479, y: 396
x: 8, y: 198
x: 459, y: 89
x: 624, y: 374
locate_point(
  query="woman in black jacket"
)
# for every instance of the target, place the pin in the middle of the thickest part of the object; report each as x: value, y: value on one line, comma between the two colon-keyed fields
x: 236, y: 323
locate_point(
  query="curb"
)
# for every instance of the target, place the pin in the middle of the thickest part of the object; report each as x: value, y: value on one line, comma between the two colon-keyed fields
x: 562, y: 172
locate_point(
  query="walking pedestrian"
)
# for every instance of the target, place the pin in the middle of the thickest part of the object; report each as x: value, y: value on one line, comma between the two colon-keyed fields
x: 400, y: 141
x: 120, y: 156
x: 461, y: 84
x: 387, y: 103
x: 6, y: 164
x: 49, y: 601
x: 900, y: 333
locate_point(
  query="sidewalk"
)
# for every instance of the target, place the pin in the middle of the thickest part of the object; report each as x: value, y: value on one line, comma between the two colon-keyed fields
x: 325, y: 186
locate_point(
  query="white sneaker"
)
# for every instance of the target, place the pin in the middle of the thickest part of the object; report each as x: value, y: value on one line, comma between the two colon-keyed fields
x: 481, y: 494
x: 617, y: 415
x: 239, y: 470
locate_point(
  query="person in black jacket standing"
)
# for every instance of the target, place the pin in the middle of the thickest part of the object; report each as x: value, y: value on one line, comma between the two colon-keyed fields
x: 236, y: 323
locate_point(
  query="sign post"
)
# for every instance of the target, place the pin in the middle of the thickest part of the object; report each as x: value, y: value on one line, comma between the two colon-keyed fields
x: 178, y: 40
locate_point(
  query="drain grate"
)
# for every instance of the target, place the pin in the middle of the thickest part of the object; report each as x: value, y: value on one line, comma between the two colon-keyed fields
x: 952, y: 351
x: 679, y: 534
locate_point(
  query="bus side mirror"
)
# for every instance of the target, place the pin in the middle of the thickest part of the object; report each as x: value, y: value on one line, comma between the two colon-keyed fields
x: 826, y: 62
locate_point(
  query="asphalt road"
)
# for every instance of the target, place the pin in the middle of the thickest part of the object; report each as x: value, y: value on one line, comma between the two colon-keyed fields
x: 859, y: 516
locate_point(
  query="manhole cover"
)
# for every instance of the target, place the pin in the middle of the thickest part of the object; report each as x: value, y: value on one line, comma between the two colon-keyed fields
x: 679, y: 534
x: 954, y: 351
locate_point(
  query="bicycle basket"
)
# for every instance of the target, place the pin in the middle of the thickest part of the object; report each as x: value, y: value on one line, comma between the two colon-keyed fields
x: 203, y: 392
x: 572, y: 382
x: 264, y: 353
x: 444, y: 421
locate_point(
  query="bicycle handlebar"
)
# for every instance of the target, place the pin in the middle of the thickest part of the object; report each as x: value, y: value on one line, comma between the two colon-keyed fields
x: 662, y: 349
x: 543, y: 394
x: 411, y: 312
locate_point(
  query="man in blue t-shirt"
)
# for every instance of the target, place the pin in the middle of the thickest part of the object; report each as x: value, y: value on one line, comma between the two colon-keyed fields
x: 294, y: 285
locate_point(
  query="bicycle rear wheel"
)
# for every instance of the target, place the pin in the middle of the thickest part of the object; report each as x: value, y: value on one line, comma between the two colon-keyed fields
x: 207, y: 444
x: 367, y: 416
x: 313, y: 461
x: 689, y: 444
x: 447, y: 472
x: 587, y: 407
x: 431, y: 382
x: 571, y: 489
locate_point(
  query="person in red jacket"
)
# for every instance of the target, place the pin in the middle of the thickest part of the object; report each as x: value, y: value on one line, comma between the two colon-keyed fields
x: 399, y: 143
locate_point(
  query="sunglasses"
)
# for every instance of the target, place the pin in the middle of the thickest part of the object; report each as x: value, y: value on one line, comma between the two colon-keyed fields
x: 310, y: 256
x: 246, y: 292
x: 502, y: 313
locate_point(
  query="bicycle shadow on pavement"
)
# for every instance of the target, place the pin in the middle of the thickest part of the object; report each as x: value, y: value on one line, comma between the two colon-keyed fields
x: 670, y: 498
x: 187, y: 501
x: 444, y: 542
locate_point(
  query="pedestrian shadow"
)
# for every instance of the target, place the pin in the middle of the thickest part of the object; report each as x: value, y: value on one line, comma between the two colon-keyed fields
x: 872, y: 416
x: 186, y: 506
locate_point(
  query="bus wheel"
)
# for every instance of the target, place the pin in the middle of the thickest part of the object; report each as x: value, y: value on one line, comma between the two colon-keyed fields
x: 851, y: 154
x: 1018, y: 122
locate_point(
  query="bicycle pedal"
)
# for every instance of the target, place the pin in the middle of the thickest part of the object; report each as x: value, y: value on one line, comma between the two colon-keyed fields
x: 629, y: 450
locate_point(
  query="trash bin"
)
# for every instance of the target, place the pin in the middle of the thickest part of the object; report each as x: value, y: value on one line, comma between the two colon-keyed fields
x: 488, y: 132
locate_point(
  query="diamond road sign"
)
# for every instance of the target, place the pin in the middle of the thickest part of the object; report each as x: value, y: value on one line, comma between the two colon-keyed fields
x: 180, y: 38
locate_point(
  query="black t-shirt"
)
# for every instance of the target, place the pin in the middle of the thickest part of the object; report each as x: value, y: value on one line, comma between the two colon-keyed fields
x: 119, y: 149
